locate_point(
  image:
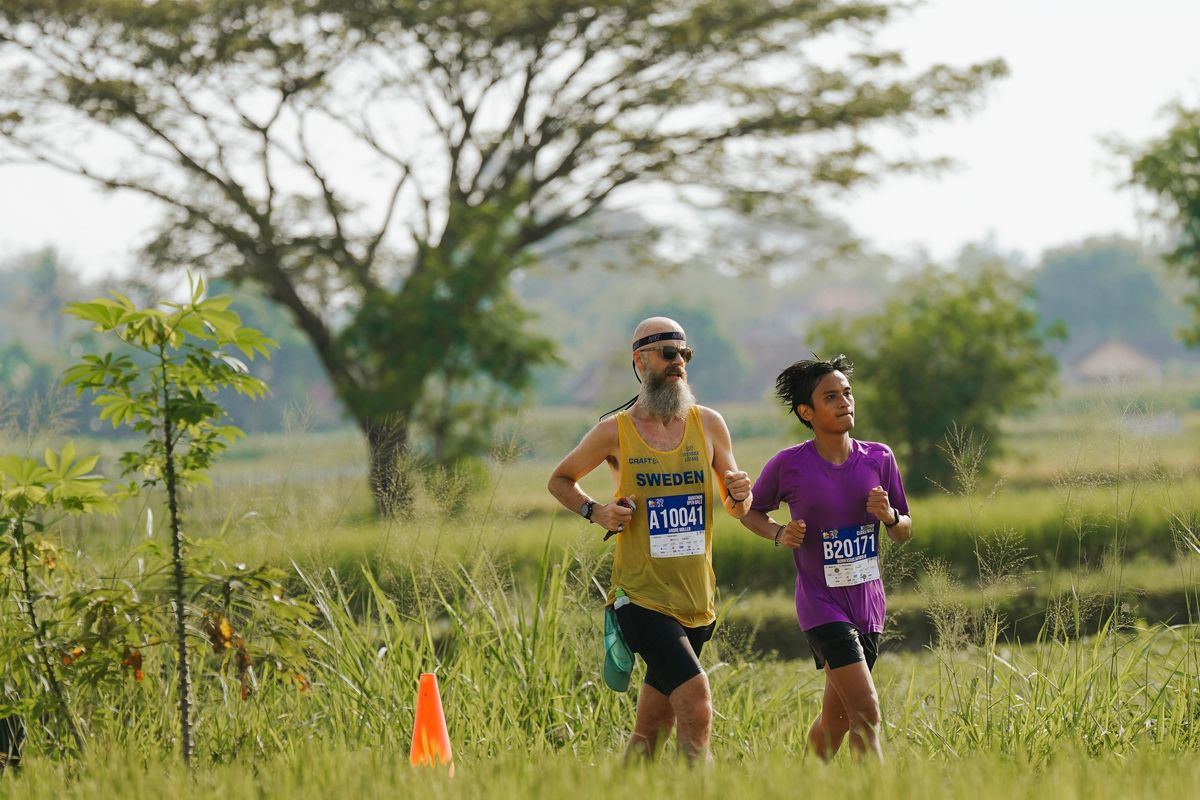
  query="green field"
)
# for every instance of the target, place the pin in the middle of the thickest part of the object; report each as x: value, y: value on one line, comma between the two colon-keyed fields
x: 1043, y: 637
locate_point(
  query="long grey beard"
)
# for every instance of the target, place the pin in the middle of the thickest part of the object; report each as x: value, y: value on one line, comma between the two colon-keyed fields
x: 666, y: 400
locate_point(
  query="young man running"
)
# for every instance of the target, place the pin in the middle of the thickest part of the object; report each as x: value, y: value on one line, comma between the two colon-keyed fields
x: 665, y: 453
x: 840, y: 491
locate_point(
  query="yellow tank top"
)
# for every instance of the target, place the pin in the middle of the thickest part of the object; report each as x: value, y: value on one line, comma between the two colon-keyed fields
x: 663, y: 559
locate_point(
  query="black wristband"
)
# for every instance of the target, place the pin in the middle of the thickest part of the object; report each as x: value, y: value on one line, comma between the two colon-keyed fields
x: 778, y: 532
x: 895, y: 519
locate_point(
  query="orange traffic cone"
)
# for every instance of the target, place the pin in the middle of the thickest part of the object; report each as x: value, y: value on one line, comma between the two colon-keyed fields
x: 430, y: 741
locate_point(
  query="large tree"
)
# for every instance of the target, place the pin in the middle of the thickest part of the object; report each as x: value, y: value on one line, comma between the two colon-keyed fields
x: 1169, y: 167
x: 940, y: 363
x: 382, y: 168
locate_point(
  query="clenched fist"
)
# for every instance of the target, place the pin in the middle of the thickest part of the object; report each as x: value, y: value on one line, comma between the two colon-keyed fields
x: 880, y: 505
x: 737, y: 485
x: 792, y: 536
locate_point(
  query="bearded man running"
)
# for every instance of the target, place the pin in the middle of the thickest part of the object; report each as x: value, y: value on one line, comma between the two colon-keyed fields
x: 666, y: 454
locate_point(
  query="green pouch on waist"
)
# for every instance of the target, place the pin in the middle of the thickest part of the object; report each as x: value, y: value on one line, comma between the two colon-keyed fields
x: 618, y: 658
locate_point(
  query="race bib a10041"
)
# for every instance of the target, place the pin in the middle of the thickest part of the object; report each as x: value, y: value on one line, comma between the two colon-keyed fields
x: 850, y: 555
x: 676, y: 525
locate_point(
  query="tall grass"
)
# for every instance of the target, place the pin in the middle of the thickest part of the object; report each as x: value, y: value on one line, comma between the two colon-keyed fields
x: 501, y: 598
x: 519, y: 666
x: 319, y: 772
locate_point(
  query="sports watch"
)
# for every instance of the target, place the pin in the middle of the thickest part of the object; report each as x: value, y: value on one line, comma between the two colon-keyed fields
x: 586, y: 509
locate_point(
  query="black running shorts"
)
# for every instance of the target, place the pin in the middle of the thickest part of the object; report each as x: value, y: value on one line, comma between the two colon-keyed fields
x: 671, y: 651
x: 840, y: 644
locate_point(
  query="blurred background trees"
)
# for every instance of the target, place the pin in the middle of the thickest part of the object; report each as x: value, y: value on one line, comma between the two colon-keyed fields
x: 1105, y: 290
x: 382, y: 170
x: 940, y: 364
x: 445, y: 212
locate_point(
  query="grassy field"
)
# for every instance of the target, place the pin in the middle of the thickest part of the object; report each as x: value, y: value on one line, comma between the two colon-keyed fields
x: 1113, y: 715
x: 1088, y: 522
x: 1088, y: 500
x: 318, y: 772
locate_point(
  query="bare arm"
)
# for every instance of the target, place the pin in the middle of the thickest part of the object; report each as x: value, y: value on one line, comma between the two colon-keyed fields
x: 733, y: 484
x: 597, y: 445
x: 901, y: 532
x: 790, y: 535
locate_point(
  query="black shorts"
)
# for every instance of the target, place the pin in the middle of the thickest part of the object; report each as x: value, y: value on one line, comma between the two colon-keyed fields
x: 840, y: 644
x: 671, y: 651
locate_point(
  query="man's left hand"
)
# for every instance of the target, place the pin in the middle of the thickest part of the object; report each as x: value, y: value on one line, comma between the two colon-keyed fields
x: 879, y: 504
x: 737, y: 485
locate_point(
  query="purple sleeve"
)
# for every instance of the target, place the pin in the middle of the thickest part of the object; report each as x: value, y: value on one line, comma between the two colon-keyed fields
x: 766, y: 488
x: 895, y: 486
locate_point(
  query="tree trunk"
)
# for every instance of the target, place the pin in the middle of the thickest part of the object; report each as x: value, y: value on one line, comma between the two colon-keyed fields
x: 41, y: 646
x: 185, y: 675
x: 391, y: 483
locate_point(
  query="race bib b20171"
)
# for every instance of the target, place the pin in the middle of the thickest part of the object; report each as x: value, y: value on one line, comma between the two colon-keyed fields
x: 676, y: 525
x: 850, y: 555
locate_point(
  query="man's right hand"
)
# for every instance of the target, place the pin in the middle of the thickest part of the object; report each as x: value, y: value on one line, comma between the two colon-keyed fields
x: 613, y: 516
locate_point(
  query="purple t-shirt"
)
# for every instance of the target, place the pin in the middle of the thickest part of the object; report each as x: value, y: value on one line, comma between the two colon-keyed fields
x: 841, y: 535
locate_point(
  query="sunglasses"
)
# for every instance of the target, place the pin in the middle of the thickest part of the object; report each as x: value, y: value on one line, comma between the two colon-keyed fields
x: 668, y: 352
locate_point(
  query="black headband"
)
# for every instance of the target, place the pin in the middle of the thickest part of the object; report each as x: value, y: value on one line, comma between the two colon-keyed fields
x: 658, y: 337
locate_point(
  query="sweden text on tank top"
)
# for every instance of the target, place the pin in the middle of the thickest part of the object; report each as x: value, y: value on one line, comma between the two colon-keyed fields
x: 663, y: 558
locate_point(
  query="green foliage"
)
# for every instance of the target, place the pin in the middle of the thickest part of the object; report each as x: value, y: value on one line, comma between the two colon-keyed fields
x: 502, y: 604
x: 1168, y: 168
x: 172, y: 403
x: 29, y: 493
x: 530, y: 116
x: 20, y: 374
x: 29, y: 398
x: 301, y: 395
x: 62, y: 482
x: 518, y: 669
x: 192, y: 346
x: 96, y: 644
x: 948, y: 353
x: 38, y: 341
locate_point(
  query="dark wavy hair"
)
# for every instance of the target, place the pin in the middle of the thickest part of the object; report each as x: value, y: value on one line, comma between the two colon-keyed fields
x: 796, y: 384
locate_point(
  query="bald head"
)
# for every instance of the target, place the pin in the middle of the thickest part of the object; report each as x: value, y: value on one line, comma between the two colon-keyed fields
x: 653, y: 325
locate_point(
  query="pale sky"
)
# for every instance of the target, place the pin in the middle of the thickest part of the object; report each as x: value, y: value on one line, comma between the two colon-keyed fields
x: 1033, y: 172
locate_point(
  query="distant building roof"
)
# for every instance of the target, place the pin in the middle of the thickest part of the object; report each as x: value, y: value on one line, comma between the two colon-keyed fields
x: 1114, y: 361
